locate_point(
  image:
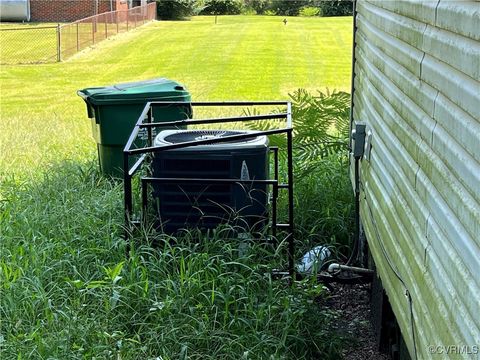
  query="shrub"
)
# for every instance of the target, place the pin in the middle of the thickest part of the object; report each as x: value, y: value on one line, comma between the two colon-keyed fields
x: 249, y: 11
x: 288, y: 7
x: 178, y: 9
x: 260, y: 6
x: 270, y: 12
x: 223, y: 7
x: 309, y: 11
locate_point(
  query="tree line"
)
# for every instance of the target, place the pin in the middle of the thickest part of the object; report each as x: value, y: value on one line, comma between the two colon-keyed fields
x: 183, y: 9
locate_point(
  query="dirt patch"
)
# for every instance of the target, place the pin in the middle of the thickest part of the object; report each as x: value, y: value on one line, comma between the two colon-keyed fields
x: 352, y: 305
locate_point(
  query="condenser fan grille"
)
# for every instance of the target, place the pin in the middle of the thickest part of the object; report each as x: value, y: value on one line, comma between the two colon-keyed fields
x: 197, y: 135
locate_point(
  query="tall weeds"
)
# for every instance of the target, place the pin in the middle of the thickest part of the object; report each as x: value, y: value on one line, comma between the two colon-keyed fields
x: 67, y: 291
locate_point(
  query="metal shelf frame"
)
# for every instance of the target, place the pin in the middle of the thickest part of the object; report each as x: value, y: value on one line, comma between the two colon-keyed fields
x: 147, y: 121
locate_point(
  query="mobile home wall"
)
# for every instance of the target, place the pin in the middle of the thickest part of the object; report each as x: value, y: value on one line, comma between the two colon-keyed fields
x: 417, y: 87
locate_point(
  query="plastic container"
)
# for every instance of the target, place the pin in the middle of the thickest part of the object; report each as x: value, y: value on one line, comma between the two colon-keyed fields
x: 114, y: 111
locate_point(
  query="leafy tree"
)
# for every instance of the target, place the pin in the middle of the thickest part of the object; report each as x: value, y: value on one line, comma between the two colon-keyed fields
x: 327, y: 7
x: 336, y: 7
x: 288, y: 7
x: 223, y: 7
x: 179, y: 9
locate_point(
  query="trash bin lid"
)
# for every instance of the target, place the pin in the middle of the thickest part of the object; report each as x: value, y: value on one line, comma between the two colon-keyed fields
x: 153, y: 89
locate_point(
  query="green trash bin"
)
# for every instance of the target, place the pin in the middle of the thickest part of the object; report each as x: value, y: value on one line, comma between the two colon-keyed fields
x: 115, y: 109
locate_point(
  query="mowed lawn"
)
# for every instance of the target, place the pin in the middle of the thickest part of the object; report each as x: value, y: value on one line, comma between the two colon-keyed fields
x: 239, y: 58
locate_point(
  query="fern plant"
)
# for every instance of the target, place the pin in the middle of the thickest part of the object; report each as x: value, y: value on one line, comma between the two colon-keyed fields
x: 320, y: 127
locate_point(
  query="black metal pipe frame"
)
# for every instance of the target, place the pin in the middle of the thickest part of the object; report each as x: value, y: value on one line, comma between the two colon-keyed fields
x: 154, y: 149
x: 209, y: 121
x: 149, y: 129
x: 274, y: 149
x: 147, y: 114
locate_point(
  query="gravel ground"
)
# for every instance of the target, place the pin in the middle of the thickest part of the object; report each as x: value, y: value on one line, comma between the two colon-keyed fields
x: 352, y: 303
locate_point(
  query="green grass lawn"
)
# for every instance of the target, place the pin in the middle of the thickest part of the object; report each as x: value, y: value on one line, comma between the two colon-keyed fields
x: 240, y: 58
x: 67, y: 291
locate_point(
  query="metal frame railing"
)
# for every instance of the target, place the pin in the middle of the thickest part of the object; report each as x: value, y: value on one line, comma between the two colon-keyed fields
x: 146, y: 121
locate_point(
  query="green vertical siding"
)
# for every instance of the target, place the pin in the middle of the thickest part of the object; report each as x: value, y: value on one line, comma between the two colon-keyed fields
x: 417, y: 86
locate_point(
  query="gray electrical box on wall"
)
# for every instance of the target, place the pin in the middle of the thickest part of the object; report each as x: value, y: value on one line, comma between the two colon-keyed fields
x: 358, y: 138
x: 357, y: 150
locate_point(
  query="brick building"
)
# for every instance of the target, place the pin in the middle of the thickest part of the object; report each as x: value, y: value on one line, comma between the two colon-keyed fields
x: 71, y: 10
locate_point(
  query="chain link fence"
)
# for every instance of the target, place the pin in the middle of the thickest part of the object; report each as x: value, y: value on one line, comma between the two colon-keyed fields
x: 44, y: 44
x: 28, y: 44
x: 83, y: 33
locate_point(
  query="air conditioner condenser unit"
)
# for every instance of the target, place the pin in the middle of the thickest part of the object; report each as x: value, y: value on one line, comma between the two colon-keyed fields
x: 199, y: 204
